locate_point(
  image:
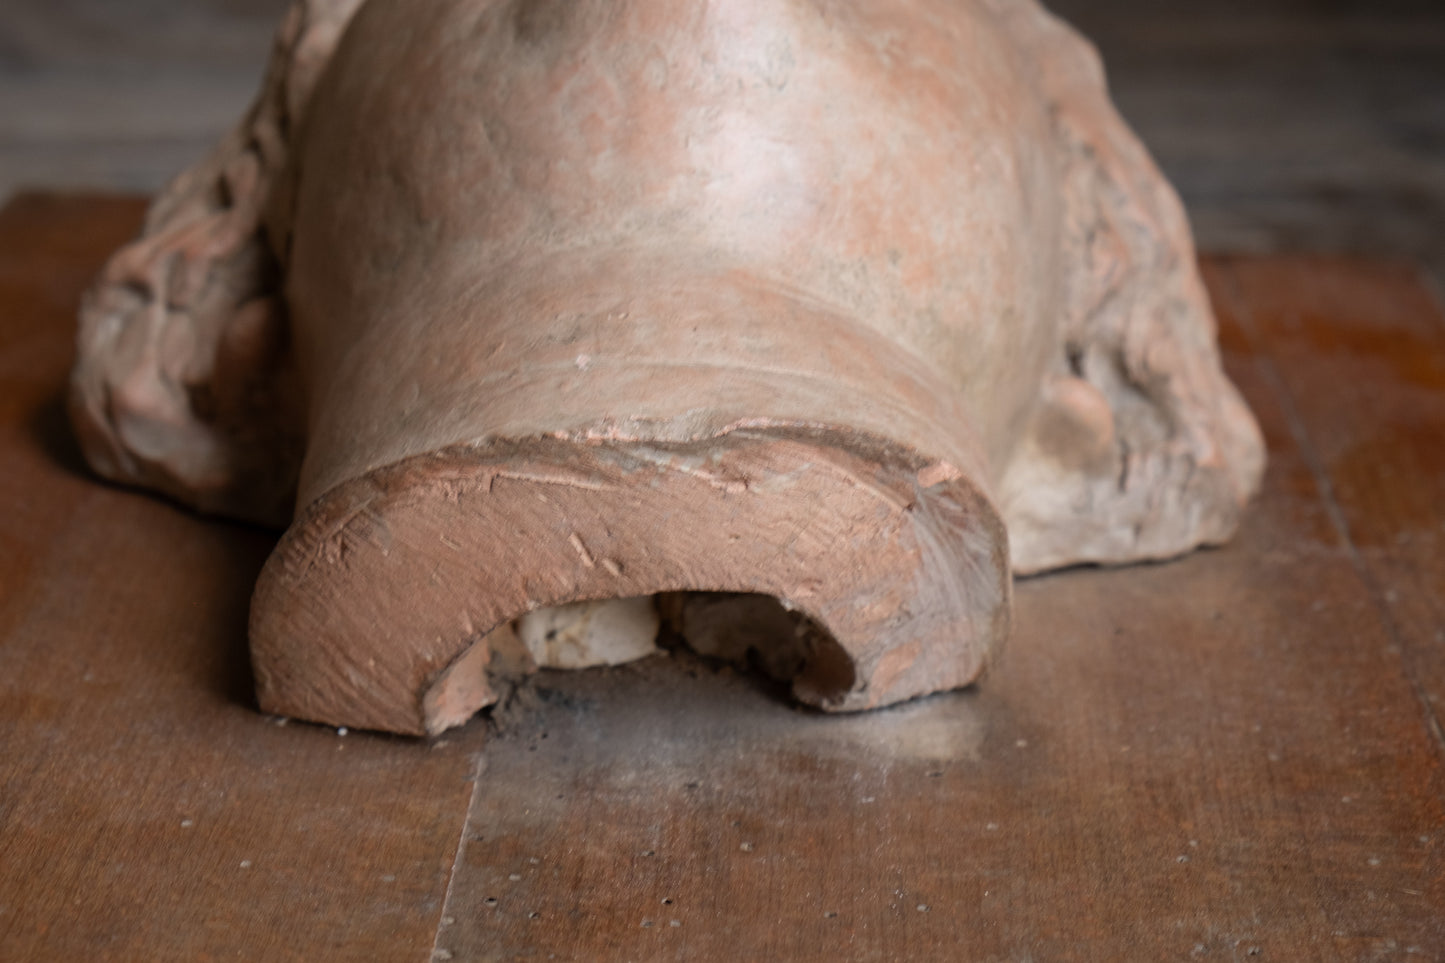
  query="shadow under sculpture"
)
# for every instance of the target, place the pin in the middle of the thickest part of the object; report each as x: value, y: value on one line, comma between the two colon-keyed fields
x: 859, y: 306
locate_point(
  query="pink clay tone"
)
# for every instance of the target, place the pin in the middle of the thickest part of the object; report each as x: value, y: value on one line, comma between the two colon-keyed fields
x: 863, y: 306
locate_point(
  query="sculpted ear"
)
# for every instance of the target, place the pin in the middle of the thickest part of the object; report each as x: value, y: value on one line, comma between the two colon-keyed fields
x: 183, y: 380
x: 1140, y: 446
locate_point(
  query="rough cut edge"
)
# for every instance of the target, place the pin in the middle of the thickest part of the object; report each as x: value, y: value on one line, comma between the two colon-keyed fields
x: 374, y: 596
x: 1141, y: 448
x: 183, y: 381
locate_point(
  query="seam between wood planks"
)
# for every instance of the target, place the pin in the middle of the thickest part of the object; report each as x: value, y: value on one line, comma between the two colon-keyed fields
x: 1430, y: 281
x: 1264, y: 362
x: 1264, y: 365
x: 438, y: 952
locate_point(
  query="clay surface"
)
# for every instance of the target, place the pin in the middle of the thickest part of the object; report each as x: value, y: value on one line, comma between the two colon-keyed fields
x: 507, y: 306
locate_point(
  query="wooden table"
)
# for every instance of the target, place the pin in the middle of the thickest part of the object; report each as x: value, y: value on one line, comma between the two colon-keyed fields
x: 1237, y: 755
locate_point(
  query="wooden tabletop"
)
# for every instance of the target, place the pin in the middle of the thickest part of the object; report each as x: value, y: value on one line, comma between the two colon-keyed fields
x: 1237, y: 755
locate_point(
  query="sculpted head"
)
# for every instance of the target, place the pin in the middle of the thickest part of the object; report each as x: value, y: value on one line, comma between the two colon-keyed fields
x: 858, y: 306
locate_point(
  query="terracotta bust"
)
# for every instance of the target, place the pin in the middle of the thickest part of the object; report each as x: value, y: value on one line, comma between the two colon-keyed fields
x: 506, y: 306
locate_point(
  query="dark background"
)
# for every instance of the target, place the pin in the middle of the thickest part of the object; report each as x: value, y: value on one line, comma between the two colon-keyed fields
x: 1285, y: 124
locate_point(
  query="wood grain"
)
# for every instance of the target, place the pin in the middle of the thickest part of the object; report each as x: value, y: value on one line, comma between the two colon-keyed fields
x: 1219, y: 757
x: 1231, y: 756
x: 147, y: 811
x: 1357, y: 352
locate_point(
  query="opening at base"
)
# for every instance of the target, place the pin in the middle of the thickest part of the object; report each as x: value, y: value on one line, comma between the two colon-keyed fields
x: 750, y: 630
x: 397, y: 598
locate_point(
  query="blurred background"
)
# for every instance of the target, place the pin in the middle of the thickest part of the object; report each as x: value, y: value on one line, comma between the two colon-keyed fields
x: 1294, y: 125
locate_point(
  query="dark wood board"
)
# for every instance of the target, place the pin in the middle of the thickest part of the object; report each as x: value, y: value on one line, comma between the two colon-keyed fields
x: 1231, y: 756
x: 147, y: 810
x: 1359, y: 352
x: 1222, y: 757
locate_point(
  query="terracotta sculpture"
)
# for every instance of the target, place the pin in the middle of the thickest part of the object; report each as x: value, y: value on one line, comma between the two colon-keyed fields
x: 853, y: 305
